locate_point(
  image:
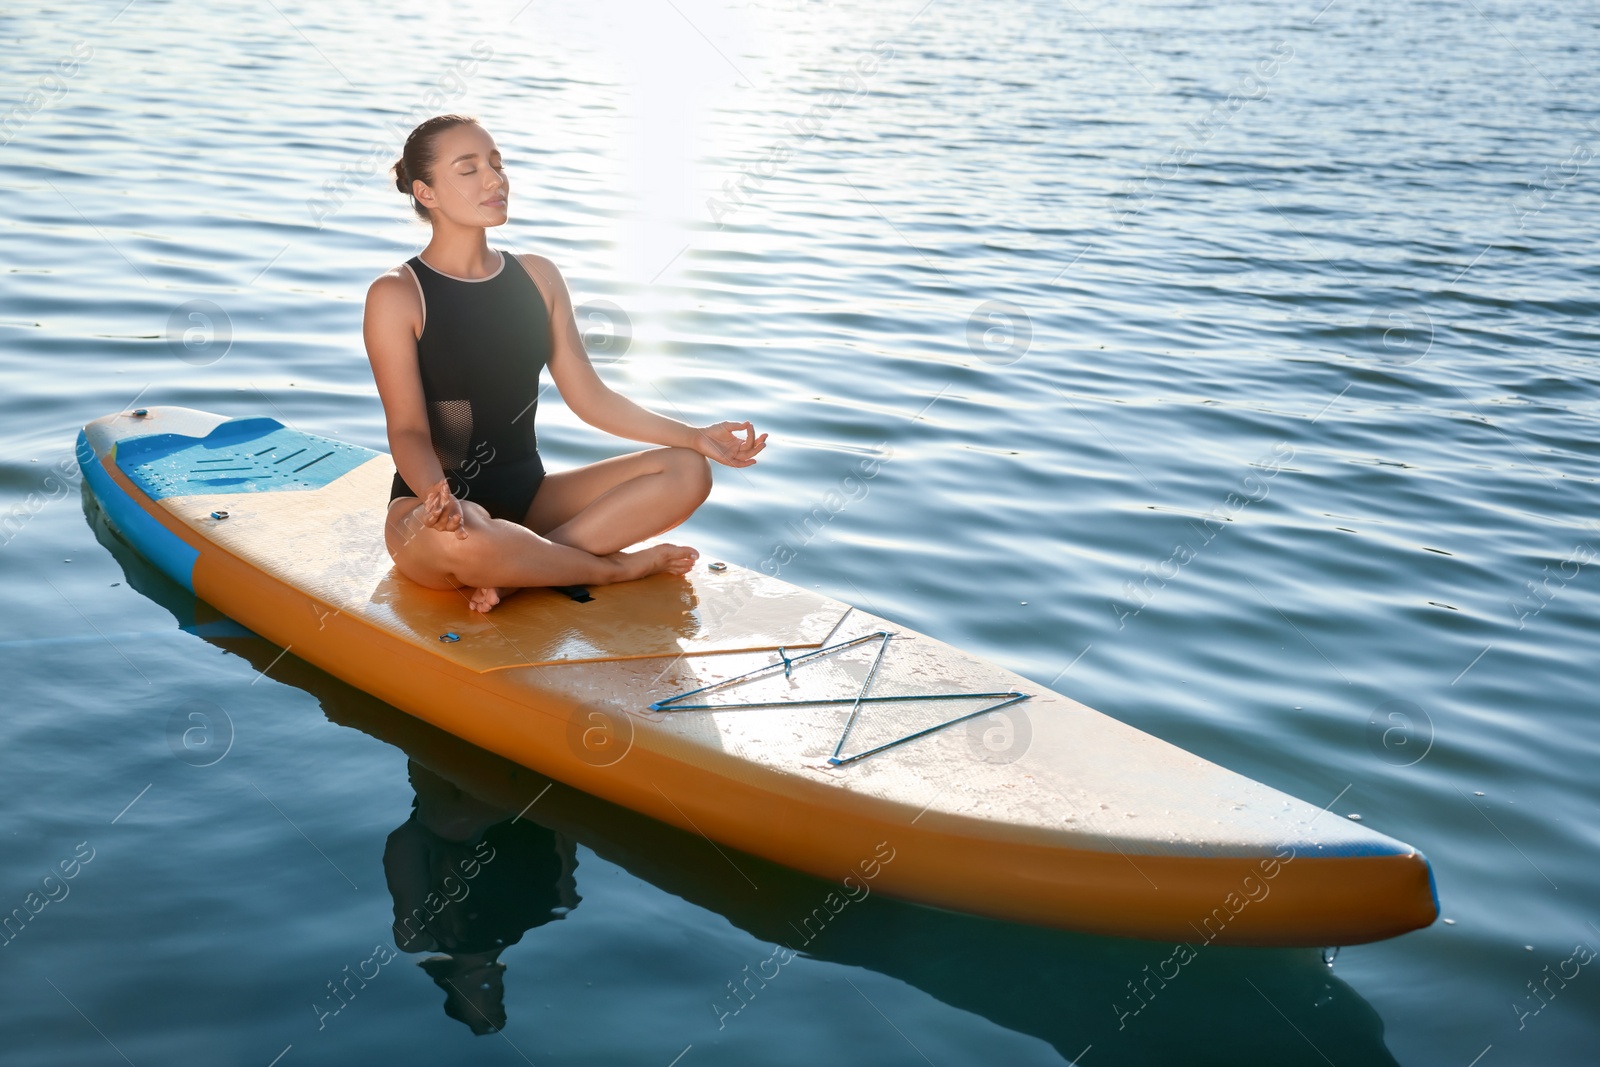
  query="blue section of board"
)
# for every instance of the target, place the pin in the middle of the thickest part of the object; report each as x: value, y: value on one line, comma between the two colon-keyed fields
x: 248, y: 455
x: 173, y: 556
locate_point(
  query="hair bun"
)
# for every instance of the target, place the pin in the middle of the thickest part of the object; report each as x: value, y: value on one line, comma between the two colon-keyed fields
x: 417, y: 158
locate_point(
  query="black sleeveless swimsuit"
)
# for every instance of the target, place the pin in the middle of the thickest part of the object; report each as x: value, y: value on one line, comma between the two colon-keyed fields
x: 484, y: 344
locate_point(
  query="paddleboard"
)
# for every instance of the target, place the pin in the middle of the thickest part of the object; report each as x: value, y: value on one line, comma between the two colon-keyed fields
x: 767, y: 718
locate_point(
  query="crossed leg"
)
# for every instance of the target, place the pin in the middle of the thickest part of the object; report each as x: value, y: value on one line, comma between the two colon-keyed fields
x: 573, y: 534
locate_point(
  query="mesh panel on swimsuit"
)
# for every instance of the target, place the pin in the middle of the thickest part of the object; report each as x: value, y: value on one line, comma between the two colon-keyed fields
x: 450, y: 422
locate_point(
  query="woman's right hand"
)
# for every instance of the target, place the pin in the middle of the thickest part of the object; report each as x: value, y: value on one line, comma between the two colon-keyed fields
x: 442, y: 511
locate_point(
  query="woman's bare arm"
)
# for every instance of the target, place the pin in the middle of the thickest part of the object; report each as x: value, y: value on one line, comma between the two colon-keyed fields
x: 388, y: 328
x: 597, y: 404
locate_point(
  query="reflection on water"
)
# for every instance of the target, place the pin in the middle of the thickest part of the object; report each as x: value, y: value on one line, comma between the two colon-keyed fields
x: 467, y: 883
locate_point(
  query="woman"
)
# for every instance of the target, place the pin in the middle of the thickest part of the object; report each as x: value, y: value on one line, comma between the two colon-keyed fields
x: 457, y: 337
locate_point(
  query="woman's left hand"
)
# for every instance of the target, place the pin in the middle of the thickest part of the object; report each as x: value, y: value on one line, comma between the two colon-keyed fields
x: 722, y: 443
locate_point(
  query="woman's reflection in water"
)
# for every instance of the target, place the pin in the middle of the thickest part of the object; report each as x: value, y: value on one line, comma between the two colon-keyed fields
x: 467, y: 881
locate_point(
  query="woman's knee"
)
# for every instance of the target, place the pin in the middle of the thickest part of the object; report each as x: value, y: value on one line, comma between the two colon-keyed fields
x: 693, y: 470
x: 422, y: 566
x: 433, y: 557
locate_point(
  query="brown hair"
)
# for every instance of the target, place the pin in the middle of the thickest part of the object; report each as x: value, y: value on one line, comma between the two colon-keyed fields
x: 417, y: 157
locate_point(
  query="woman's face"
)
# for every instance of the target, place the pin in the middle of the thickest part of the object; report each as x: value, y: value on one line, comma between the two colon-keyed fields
x: 470, y: 187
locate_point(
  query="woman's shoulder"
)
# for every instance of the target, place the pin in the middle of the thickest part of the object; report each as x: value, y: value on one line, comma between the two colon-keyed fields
x: 545, y: 274
x: 401, y: 274
x: 534, y: 260
x: 400, y: 271
x: 541, y: 267
x: 396, y: 289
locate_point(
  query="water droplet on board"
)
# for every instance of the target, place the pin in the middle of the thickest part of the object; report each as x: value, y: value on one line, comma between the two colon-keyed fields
x: 1330, y: 954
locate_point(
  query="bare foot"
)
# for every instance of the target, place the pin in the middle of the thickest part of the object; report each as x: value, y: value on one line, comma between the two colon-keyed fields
x: 486, y: 597
x: 657, y: 559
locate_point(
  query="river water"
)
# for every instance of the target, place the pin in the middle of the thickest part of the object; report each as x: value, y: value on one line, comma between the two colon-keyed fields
x: 1231, y: 367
